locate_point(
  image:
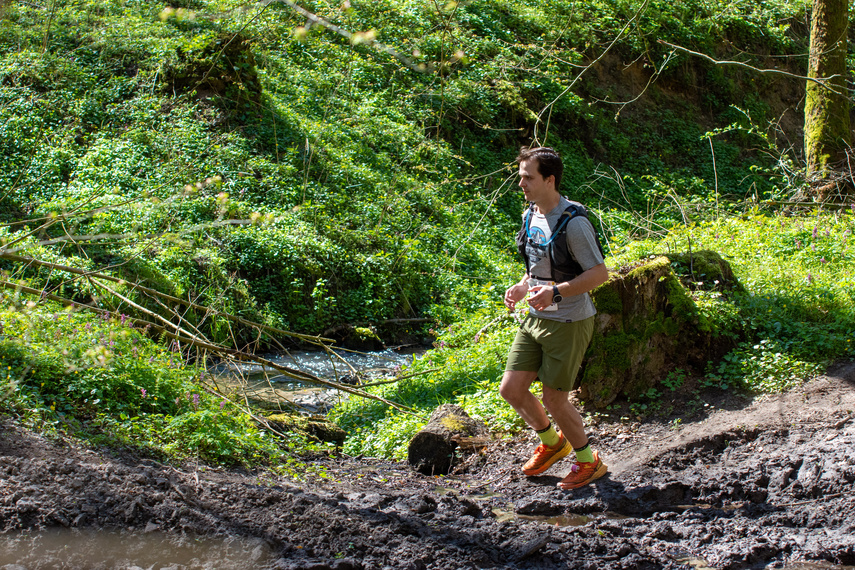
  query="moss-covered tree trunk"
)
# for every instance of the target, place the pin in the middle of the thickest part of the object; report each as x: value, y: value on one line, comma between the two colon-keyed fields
x: 827, y: 129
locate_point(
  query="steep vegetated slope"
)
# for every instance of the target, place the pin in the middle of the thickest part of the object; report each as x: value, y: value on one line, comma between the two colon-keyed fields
x: 239, y: 156
x: 346, y: 168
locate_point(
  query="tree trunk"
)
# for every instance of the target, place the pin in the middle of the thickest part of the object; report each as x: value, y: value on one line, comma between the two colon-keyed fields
x: 827, y: 130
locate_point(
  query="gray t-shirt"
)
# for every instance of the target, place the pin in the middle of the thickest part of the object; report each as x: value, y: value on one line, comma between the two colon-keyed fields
x: 582, y: 243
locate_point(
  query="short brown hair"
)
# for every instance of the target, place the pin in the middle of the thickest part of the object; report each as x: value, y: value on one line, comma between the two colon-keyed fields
x: 548, y: 161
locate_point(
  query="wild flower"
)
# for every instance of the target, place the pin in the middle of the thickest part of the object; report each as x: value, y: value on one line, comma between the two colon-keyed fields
x: 809, y: 278
x: 196, y: 401
x: 222, y: 404
x: 822, y: 260
x: 815, y: 230
x: 143, y: 391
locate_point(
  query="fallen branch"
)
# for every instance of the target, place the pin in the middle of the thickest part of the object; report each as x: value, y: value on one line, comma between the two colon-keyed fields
x: 398, y: 379
x: 490, y: 324
x: 154, y: 292
x: 808, y: 204
x: 223, y: 351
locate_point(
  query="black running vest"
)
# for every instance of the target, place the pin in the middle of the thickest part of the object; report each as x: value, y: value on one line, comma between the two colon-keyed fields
x: 564, y: 265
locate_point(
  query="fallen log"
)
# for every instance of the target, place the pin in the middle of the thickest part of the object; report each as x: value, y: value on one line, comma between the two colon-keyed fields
x: 432, y: 450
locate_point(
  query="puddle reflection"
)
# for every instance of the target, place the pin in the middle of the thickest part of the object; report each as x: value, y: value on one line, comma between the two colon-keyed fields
x: 82, y: 548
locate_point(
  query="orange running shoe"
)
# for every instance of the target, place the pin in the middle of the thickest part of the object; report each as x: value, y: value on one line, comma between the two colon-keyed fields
x: 544, y: 457
x: 583, y: 473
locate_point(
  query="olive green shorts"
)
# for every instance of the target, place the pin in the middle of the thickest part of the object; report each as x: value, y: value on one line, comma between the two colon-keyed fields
x: 552, y: 349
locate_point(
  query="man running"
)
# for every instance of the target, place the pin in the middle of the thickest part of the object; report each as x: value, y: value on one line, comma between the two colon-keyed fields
x: 563, y: 263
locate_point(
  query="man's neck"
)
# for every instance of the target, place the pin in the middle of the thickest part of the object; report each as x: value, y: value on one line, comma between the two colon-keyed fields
x: 548, y: 203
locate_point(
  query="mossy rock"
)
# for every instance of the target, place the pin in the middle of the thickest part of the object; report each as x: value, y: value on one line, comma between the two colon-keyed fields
x: 647, y: 325
x: 315, y: 426
x: 223, y: 67
x: 705, y: 270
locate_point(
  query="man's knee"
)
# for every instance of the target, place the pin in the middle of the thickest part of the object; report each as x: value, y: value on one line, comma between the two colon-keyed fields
x: 515, y: 384
x: 554, y: 399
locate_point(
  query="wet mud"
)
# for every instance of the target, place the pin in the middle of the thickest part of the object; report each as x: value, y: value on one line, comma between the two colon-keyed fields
x: 745, y: 484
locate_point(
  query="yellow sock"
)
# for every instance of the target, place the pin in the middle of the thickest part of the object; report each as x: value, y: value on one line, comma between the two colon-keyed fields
x: 548, y: 436
x: 584, y: 454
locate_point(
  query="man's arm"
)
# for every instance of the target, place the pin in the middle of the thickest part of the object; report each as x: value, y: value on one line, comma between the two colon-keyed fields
x: 587, y: 281
x: 515, y: 293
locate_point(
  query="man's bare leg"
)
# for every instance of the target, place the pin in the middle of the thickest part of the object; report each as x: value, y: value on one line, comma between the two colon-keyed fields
x: 516, y: 390
x: 566, y: 416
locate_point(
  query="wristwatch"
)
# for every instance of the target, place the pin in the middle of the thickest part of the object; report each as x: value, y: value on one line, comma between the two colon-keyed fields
x: 556, y: 296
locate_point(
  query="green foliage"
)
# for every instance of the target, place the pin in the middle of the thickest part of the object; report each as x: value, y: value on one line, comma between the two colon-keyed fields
x: 374, y: 173
x: 762, y: 367
x: 106, y: 381
x: 293, y: 177
x: 798, y: 307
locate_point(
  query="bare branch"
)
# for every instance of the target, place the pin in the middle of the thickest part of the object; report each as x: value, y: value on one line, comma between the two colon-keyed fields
x: 822, y: 81
x: 549, y: 106
x: 351, y: 37
x: 155, y: 293
x: 223, y: 351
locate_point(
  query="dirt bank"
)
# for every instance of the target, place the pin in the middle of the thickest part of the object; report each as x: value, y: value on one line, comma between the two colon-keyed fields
x: 767, y: 483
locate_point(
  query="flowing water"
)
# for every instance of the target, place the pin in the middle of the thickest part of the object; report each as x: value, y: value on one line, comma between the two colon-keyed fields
x: 270, y: 388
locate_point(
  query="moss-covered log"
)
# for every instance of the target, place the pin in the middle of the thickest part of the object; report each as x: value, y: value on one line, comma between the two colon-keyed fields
x: 431, y: 451
x: 648, y: 324
x: 317, y: 427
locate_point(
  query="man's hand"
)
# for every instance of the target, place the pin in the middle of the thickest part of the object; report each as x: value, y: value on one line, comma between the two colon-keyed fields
x: 541, y: 298
x: 515, y: 294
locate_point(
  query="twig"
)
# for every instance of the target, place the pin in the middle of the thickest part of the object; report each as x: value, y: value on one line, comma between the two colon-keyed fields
x: 579, y: 76
x: 490, y: 324
x: 822, y: 81
x: 350, y: 36
x: 226, y: 352
x: 398, y: 379
x: 245, y: 409
x: 809, y: 501
x: 153, y: 292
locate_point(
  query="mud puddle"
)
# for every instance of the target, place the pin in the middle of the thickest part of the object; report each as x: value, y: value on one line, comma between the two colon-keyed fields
x: 89, y: 548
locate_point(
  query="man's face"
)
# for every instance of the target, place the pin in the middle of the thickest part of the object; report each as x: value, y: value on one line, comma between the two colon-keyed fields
x: 534, y: 186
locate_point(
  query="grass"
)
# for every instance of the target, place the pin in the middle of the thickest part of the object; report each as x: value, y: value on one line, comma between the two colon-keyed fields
x: 103, y: 380
x: 797, y: 315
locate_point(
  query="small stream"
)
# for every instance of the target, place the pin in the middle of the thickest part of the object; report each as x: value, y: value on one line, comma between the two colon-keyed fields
x: 271, y: 389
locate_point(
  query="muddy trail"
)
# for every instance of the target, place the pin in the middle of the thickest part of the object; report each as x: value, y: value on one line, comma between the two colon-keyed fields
x: 768, y: 483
